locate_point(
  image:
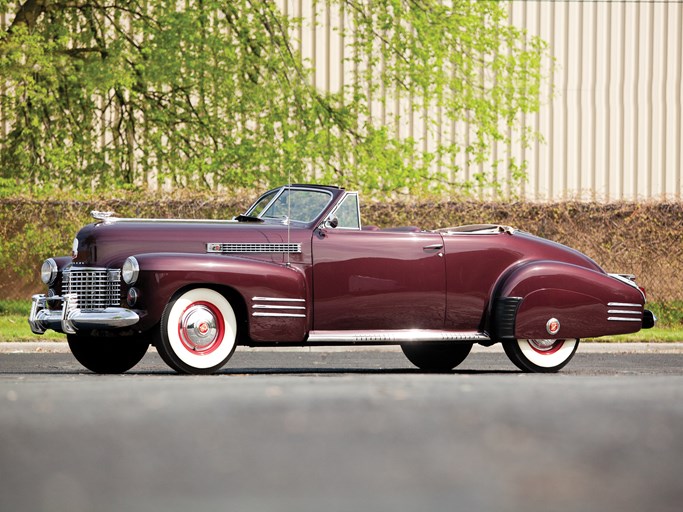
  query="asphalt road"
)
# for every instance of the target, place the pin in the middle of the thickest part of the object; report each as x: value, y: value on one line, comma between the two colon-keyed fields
x: 343, y: 431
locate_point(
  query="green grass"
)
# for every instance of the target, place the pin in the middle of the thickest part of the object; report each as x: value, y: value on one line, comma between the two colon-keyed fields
x: 14, y: 307
x: 657, y: 335
x: 14, y: 325
x: 16, y: 328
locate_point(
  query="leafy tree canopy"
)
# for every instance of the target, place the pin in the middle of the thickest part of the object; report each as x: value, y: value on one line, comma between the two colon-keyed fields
x: 214, y: 92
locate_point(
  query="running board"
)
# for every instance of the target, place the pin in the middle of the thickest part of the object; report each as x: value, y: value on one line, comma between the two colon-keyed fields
x: 395, y: 336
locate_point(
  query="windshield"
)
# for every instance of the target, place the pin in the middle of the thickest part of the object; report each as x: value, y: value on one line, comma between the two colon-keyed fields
x: 259, y: 206
x: 302, y: 205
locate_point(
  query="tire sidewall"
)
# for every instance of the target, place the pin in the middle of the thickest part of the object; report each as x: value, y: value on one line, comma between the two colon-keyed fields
x: 176, y: 353
x: 526, y: 358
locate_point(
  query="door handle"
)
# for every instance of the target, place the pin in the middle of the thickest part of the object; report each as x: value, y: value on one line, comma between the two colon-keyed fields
x: 433, y: 247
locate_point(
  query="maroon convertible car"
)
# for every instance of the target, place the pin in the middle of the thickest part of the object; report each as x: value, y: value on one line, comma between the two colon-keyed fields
x: 299, y: 269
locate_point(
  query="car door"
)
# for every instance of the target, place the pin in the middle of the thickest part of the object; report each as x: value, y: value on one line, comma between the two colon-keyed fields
x: 372, y: 280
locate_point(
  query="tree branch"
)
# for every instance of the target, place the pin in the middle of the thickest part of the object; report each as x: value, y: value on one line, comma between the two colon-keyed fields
x: 28, y: 15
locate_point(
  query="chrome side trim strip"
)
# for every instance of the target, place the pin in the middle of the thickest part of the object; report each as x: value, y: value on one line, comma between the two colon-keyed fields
x: 265, y: 306
x: 276, y: 299
x: 280, y: 315
x: 623, y: 312
x: 391, y: 336
x: 287, y: 307
x: 623, y: 305
x: 110, y: 218
x: 622, y: 319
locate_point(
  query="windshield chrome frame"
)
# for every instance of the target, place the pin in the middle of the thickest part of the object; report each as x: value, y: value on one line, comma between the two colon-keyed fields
x: 277, y: 195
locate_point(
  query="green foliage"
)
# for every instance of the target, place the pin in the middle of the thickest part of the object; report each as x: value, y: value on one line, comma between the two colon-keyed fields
x: 14, y: 307
x: 212, y: 93
x: 669, y: 314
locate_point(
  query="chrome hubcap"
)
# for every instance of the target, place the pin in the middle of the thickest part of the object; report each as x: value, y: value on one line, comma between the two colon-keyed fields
x: 199, y: 328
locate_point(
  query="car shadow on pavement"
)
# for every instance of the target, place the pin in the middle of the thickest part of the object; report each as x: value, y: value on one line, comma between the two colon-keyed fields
x: 352, y: 371
x: 152, y: 365
x: 241, y: 372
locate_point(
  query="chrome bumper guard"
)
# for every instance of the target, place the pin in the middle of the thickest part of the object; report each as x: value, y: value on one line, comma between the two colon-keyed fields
x: 70, y: 318
x: 649, y: 319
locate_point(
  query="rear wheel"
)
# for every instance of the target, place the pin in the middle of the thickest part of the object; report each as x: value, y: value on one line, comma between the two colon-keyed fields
x: 541, y: 356
x: 107, y: 355
x: 440, y: 357
x: 198, y: 332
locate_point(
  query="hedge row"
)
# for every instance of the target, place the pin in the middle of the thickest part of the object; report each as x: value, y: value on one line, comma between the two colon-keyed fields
x: 641, y: 238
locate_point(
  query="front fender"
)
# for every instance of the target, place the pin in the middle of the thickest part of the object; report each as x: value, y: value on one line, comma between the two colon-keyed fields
x: 580, y: 299
x: 259, y: 285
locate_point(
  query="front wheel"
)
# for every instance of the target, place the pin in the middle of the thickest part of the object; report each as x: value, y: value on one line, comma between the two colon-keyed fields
x: 540, y: 356
x: 107, y: 355
x: 436, y: 357
x: 198, y: 332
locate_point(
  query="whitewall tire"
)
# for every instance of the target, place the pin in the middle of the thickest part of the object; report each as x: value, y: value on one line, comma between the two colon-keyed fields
x: 198, y: 331
x: 541, y: 356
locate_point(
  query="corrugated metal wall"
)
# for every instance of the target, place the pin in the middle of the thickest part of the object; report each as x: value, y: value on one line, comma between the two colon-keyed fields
x: 612, y: 125
x: 613, y: 129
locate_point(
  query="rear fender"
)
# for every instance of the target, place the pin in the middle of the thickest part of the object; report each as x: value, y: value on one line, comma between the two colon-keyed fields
x: 259, y: 285
x: 581, y: 300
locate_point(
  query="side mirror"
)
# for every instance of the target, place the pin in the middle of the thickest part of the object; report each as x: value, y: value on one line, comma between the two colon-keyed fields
x: 331, y: 222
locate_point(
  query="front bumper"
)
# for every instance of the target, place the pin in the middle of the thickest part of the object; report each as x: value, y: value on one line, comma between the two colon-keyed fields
x: 70, y: 319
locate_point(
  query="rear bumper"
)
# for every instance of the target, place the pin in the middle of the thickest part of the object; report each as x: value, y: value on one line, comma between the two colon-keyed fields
x: 69, y: 318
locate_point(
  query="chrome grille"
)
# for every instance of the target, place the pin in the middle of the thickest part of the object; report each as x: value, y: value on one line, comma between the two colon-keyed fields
x: 95, y: 288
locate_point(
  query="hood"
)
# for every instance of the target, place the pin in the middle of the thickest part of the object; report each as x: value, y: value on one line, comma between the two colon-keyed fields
x: 108, y: 244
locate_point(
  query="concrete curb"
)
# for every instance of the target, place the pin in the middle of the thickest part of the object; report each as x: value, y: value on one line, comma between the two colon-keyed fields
x: 61, y: 347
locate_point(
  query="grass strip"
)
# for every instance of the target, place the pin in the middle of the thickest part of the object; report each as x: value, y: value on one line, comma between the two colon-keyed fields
x: 16, y: 328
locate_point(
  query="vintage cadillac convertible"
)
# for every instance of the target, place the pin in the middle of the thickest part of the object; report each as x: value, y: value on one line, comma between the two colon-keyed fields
x: 298, y: 269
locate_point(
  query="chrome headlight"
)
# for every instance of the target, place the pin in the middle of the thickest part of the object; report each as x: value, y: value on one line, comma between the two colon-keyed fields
x: 48, y: 272
x: 130, y: 270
